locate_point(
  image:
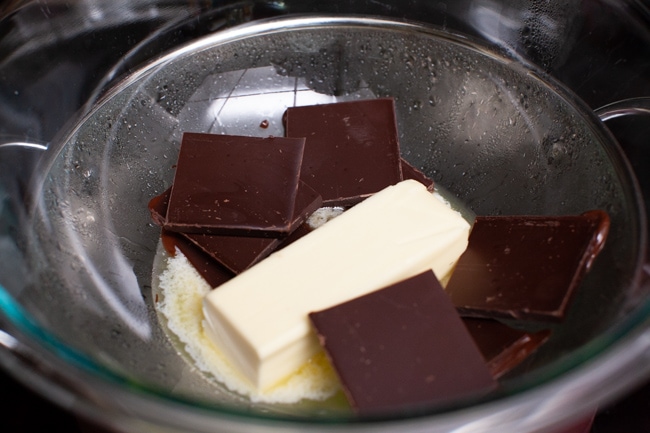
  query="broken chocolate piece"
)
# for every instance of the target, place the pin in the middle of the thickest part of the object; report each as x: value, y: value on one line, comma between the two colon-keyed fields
x: 235, y: 185
x: 410, y: 172
x: 503, y: 347
x: 402, y: 348
x: 238, y: 253
x: 158, y: 207
x: 212, y: 272
x: 351, y: 149
x: 526, y: 267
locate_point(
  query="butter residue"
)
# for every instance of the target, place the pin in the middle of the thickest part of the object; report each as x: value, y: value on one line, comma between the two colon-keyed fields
x: 181, y: 291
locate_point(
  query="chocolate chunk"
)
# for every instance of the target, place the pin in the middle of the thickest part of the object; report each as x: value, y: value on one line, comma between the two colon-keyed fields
x: 351, y: 149
x: 526, y: 267
x: 235, y: 185
x: 402, y: 348
x: 212, y: 272
x: 302, y: 230
x: 158, y: 207
x: 503, y: 347
x: 238, y: 253
x: 410, y: 172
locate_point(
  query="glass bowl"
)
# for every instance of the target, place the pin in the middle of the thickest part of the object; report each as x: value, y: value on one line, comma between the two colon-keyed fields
x: 491, y: 125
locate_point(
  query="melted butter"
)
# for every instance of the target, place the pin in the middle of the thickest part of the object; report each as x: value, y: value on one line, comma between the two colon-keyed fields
x: 180, y: 292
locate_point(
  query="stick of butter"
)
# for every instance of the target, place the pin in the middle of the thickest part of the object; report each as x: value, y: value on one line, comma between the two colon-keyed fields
x: 259, y: 319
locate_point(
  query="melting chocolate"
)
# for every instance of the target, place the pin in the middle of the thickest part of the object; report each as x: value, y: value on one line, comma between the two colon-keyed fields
x: 502, y: 346
x: 236, y: 199
x: 526, y: 267
x: 402, y: 348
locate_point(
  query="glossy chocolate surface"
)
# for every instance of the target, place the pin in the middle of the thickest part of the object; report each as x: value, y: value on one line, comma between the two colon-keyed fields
x: 526, y: 267
x: 502, y: 346
x: 235, y: 185
x: 402, y: 348
x: 351, y: 149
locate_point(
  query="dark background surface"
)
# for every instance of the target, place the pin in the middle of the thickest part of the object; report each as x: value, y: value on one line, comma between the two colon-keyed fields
x: 26, y: 412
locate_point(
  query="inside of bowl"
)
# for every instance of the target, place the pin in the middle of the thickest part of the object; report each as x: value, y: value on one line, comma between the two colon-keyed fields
x: 500, y: 138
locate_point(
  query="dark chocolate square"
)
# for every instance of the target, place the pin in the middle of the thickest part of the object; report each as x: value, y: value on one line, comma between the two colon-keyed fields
x: 235, y: 185
x: 402, y: 348
x: 351, y: 149
x: 526, y: 267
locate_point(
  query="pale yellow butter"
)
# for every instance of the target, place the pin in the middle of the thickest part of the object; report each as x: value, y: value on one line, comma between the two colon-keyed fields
x: 259, y: 319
